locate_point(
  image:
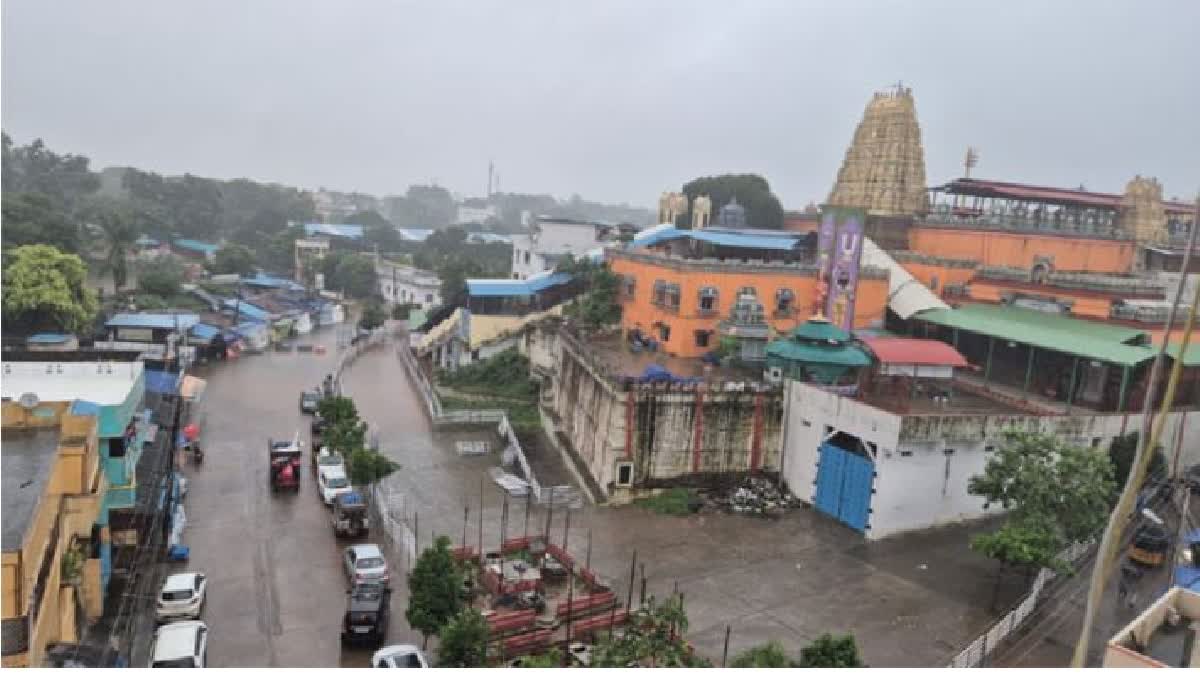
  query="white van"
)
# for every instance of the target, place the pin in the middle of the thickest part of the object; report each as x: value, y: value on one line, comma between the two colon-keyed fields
x: 181, y: 645
x: 332, y: 481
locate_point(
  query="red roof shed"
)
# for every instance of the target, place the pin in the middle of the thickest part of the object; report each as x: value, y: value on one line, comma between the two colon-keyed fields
x: 914, y: 351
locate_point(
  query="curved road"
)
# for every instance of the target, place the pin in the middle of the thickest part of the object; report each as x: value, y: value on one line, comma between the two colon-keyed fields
x: 276, y: 587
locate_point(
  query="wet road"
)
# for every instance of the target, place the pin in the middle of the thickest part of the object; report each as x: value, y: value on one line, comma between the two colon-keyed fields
x: 276, y: 586
x: 277, y: 591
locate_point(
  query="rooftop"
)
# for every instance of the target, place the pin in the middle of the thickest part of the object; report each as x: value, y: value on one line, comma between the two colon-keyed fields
x: 26, y: 460
x: 913, y: 351
x: 771, y: 240
x: 151, y: 320
x: 486, y: 288
x: 197, y: 246
x: 1162, y: 635
x: 107, y: 383
x: 1055, y: 332
x: 1050, y: 195
x: 334, y: 230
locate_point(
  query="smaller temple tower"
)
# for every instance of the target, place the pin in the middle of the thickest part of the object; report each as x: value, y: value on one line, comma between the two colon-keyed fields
x: 701, y: 212
x: 671, y: 205
x: 884, y: 168
x: 1142, y: 212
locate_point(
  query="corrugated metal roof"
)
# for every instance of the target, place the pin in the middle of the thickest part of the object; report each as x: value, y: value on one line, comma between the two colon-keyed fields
x: 496, y: 288
x: 820, y: 329
x: 334, y: 230
x: 48, y: 338
x: 906, y: 295
x: 1191, y: 358
x: 413, y: 233
x: 205, y: 331
x: 197, y: 246
x: 163, y: 321
x: 1088, y: 339
x: 246, y: 309
x: 914, y: 351
x: 730, y: 238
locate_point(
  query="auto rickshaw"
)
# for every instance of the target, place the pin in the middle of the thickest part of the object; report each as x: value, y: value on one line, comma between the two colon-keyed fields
x: 1150, y: 544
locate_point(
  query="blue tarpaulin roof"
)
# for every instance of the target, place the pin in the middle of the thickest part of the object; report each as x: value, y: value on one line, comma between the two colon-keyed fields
x: 247, y: 310
x: 488, y: 288
x: 334, y: 230
x: 197, y: 246
x: 205, y: 331
x: 164, y: 321
x: 656, y: 373
x: 48, y: 338
x: 267, y: 281
x: 730, y: 238
x: 162, y: 382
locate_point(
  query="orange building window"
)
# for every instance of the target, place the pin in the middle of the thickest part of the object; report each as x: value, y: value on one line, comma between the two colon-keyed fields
x: 708, y: 300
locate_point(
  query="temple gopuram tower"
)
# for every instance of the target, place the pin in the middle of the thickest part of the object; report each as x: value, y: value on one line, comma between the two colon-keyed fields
x: 884, y: 169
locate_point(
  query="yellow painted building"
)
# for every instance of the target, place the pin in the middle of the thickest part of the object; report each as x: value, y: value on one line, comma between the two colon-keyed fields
x: 53, y: 491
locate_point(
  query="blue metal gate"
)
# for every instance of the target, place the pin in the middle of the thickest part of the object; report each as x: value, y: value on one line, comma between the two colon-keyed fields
x: 844, y: 482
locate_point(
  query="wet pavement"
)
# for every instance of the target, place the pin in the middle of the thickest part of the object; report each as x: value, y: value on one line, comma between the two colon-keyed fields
x: 277, y: 591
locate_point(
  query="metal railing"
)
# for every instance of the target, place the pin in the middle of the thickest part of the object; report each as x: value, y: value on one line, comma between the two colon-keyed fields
x: 976, y: 653
x: 447, y: 418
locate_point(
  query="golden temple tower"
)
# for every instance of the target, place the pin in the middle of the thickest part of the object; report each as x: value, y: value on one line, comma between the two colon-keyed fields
x: 884, y: 169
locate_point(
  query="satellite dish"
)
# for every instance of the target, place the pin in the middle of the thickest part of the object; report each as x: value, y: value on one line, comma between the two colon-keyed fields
x: 28, y: 400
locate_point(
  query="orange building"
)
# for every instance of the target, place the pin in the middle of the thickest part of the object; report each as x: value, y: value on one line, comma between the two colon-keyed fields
x: 1024, y: 249
x: 686, y: 301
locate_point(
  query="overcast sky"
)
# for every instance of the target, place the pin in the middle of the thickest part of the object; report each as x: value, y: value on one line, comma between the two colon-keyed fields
x: 616, y: 100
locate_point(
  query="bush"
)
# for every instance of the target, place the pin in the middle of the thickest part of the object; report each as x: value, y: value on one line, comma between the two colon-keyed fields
x: 769, y: 655
x: 506, y: 375
x: 162, y: 276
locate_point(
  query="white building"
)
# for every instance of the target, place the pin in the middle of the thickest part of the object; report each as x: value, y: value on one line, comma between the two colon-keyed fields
x: 403, y: 284
x: 468, y: 214
x: 883, y: 472
x: 551, y: 239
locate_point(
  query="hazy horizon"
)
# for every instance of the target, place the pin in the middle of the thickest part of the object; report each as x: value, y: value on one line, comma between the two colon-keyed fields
x: 615, y: 101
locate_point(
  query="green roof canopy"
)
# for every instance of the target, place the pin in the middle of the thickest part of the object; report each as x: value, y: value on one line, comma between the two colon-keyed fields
x: 841, y: 355
x: 1087, y: 339
x: 820, y: 330
x: 1191, y: 358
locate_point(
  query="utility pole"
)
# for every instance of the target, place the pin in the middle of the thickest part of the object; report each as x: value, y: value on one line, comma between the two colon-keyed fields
x: 1141, y: 462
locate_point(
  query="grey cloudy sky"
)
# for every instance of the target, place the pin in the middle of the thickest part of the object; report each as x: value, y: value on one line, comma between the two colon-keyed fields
x: 616, y: 100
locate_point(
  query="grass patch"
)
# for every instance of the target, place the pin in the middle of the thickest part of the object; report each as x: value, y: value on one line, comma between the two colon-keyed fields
x: 670, y: 502
x: 504, y: 375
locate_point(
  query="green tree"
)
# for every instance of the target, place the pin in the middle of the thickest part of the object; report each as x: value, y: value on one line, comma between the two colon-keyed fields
x: 338, y: 409
x: 462, y: 643
x: 367, y: 467
x: 33, y: 218
x: 652, y: 637
x: 350, y: 273
x: 373, y: 315
x: 829, y: 651
x: 428, y: 206
x: 769, y: 655
x: 63, y: 179
x: 1054, y: 493
x: 763, y: 209
x: 434, y: 587
x: 1122, y: 451
x: 234, y: 259
x: 118, y: 222
x: 44, y: 290
x: 162, y: 276
x: 597, y: 307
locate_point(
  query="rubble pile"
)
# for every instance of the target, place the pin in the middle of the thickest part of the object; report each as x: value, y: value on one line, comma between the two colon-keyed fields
x: 753, y: 496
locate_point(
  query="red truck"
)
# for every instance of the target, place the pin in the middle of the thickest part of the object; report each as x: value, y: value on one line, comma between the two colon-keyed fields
x: 284, y: 469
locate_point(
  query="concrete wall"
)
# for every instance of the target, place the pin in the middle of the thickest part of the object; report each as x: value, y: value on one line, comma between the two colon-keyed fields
x: 924, y: 462
x: 671, y: 434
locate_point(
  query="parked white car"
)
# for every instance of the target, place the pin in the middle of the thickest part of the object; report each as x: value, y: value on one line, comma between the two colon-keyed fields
x: 365, y: 562
x: 399, y: 656
x: 180, y: 645
x: 332, y: 482
x: 182, y: 597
